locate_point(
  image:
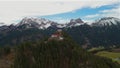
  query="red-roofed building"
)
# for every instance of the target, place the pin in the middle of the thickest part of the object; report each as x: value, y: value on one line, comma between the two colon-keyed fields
x: 57, y: 35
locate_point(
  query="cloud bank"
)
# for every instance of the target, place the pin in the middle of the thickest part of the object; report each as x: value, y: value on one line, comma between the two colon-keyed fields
x: 115, y: 12
x: 10, y: 11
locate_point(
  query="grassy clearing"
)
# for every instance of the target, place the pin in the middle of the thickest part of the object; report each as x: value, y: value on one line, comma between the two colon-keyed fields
x: 112, y: 55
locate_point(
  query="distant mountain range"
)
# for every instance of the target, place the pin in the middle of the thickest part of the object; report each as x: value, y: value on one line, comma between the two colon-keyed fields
x: 102, y: 32
x: 42, y: 23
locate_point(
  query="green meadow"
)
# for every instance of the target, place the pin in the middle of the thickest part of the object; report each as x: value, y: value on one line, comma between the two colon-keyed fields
x: 112, y: 55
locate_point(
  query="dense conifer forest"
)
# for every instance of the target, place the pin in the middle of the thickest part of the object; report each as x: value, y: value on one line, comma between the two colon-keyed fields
x: 58, y: 54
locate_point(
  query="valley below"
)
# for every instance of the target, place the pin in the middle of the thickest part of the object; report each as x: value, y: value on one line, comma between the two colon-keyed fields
x: 112, y: 53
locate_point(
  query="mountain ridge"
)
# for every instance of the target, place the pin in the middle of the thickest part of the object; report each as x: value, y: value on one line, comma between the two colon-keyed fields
x: 42, y: 23
x: 84, y: 34
x: 106, y: 21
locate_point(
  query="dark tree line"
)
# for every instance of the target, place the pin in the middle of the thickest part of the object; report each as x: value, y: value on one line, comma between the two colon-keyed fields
x: 98, y: 36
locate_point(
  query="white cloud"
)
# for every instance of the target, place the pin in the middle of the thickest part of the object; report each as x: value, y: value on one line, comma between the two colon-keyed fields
x: 53, y: 0
x: 92, y: 16
x: 60, y: 20
x: 115, y: 12
x: 15, y: 10
x: 89, y: 21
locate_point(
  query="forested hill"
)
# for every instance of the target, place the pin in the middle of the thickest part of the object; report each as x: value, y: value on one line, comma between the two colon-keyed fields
x: 58, y: 53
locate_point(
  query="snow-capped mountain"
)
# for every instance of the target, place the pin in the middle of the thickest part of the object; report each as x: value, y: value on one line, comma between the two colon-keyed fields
x: 75, y: 22
x: 40, y: 23
x: 31, y: 22
x: 107, y: 21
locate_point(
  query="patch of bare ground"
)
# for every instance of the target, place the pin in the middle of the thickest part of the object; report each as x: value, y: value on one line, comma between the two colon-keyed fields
x: 6, y: 61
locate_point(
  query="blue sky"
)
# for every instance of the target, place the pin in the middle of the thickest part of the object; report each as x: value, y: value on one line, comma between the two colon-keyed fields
x: 60, y: 11
x: 86, y: 14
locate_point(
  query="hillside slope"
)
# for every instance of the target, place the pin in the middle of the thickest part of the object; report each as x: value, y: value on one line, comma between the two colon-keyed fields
x: 58, y: 54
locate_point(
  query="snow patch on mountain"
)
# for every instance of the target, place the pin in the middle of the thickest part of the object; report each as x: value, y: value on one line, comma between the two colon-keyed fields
x: 75, y: 22
x: 106, y: 21
x: 40, y: 23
